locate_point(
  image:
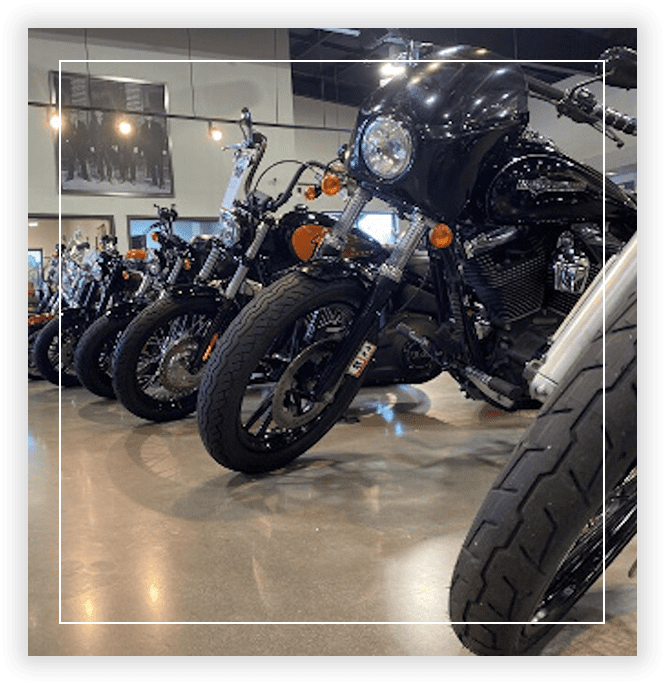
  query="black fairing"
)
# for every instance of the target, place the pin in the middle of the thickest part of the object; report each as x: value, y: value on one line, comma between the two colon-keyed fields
x: 458, y: 109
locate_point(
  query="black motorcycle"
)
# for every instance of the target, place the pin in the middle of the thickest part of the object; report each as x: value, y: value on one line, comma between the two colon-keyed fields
x: 175, y: 261
x: 102, y: 278
x: 159, y: 359
x: 565, y: 505
x: 514, y: 230
x: 59, y: 284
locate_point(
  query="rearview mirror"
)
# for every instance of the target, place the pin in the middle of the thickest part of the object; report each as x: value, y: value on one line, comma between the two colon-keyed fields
x: 620, y: 67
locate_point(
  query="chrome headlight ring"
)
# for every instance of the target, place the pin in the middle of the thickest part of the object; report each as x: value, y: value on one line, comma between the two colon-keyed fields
x: 387, y: 147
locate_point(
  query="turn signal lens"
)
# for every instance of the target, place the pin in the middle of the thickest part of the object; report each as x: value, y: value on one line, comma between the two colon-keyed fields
x: 441, y: 236
x: 310, y: 193
x: 125, y: 275
x: 331, y: 184
x: 187, y: 264
x: 155, y: 236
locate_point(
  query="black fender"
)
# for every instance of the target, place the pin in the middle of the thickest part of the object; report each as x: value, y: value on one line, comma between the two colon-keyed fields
x: 327, y: 269
x: 75, y: 316
x: 192, y: 290
x: 125, y: 309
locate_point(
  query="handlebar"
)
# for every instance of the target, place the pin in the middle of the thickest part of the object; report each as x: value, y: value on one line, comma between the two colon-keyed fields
x: 283, y: 197
x: 581, y: 106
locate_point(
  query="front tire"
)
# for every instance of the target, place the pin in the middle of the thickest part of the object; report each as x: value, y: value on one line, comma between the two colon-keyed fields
x: 61, y: 334
x: 94, y: 354
x: 150, y: 372
x: 535, y: 545
x: 254, y: 412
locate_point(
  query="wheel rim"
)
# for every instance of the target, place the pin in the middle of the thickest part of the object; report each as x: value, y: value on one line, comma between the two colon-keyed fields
x: 61, y: 356
x: 276, y: 407
x: 162, y: 368
x: 583, y: 564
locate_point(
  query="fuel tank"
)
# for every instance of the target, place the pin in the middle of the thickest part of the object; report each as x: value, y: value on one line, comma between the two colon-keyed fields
x: 540, y: 184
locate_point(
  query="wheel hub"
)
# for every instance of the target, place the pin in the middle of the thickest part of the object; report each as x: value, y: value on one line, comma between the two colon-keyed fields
x: 174, y: 374
x: 292, y: 405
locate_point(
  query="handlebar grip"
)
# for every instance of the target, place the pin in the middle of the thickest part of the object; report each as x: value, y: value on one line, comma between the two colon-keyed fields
x: 619, y: 121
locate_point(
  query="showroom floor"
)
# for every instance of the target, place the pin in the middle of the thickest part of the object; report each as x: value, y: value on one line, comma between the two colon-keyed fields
x: 156, y: 540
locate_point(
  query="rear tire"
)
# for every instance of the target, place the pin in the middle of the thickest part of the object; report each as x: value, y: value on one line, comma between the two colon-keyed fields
x: 535, y: 545
x: 263, y: 354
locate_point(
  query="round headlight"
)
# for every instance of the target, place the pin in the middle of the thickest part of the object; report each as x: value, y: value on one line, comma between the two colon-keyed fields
x: 387, y: 147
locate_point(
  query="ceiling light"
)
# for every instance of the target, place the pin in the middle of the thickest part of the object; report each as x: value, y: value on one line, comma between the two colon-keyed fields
x: 214, y: 131
x: 125, y: 128
x: 54, y: 122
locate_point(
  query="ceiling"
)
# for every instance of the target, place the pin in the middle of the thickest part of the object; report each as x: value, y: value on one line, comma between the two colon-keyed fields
x: 349, y: 83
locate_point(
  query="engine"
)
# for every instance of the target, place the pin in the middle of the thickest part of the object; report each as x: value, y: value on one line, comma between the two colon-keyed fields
x: 522, y: 283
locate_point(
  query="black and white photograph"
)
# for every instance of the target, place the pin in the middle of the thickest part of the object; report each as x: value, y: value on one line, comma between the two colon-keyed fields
x: 112, y: 150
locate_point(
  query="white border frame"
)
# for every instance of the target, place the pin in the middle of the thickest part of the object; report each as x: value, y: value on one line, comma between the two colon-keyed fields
x: 270, y: 61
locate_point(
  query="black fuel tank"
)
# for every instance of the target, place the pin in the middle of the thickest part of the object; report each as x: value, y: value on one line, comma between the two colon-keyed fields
x: 547, y: 187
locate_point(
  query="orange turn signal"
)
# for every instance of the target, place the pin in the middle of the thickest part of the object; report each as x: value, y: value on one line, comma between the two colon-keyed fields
x: 441, y: 236
x: 155, y: 235
x: 310, y: 193
x: 186, y: 264
x: 125, y: 275
x: 331, y: 184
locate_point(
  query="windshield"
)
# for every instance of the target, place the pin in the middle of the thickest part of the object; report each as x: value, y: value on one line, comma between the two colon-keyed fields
x: 458, y: 89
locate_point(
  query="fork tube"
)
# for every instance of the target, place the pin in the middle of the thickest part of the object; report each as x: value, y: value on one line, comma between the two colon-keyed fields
x: 243, y: 268
x: 388, y: 279
x: 334, y: 242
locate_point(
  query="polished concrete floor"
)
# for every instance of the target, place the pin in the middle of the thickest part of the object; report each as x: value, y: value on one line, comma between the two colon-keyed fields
x: 140, y: 544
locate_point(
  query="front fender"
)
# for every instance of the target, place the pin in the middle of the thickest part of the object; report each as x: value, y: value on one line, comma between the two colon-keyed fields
x: 191, y: 290
x: 125, y: 309
x: 74, y: 316
x: 334, y: 268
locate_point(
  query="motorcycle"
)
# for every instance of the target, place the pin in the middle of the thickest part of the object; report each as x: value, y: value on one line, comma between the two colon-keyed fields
x: 171, y: 263
x: 68, y: 260
x: 514, y: 230
x: 159, y: 359
x: 101, y: 279
x: 565, y: 505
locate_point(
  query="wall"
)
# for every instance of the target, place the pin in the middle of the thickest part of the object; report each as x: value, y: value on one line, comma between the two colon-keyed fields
x: 221, y: 89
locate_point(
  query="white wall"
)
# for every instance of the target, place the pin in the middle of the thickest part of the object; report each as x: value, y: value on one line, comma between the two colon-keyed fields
x: 221, y: 89
x: 201, y: 168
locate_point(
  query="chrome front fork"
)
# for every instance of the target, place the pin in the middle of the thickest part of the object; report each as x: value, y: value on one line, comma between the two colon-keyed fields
x: 333, y: 242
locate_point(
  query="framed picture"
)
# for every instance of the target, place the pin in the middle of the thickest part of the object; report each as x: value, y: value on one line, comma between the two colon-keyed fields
x: 114, y: 136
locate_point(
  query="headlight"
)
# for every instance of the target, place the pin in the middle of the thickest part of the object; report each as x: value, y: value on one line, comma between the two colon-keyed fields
x: 387, y: 147
x: 229, y: 230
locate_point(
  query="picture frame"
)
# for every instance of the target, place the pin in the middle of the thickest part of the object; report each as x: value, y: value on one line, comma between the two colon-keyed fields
x: 114, y: 136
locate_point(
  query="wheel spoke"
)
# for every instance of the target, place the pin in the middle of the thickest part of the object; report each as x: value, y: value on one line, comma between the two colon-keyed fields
x: 263, y: 407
